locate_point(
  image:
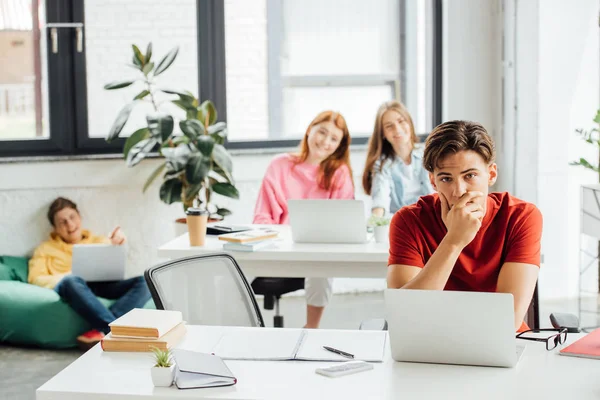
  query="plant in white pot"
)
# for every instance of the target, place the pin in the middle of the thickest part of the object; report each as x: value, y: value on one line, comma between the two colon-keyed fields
x: 381, y: 228
x: 163, y: 371
x: 196, y: 163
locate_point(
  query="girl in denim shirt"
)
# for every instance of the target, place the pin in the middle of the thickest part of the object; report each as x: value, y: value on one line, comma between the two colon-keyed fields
x: 394, y: 175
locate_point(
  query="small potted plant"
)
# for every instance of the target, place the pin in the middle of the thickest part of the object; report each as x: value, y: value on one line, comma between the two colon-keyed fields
x: 381, y: 228
x: 163, y: 371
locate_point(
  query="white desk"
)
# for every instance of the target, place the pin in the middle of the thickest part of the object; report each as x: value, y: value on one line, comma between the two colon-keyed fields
x: 289, y: 259
x: 126, y: 376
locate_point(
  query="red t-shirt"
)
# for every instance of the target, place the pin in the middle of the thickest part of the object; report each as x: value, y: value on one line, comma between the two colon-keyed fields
x: 510, y: 232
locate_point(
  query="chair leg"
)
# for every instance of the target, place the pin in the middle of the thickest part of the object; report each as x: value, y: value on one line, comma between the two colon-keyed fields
x: 277, y: 319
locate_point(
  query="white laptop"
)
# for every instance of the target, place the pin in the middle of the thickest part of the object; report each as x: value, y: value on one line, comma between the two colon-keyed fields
x: 451, y: 327
x: 328, y: 221
x: 99, y: 262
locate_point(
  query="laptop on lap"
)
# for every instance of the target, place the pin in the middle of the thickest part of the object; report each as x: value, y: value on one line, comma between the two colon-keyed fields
x: 452, y: 327
x: 328, y: 221
x: 99, y: 262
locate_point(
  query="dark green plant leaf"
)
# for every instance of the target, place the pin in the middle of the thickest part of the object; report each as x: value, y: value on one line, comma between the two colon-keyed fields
x: 223, y: 160
x: 177, y: 140
x: 191, y: 128
x: 166, y: 61
x: 223, y: 212
x: 597, y: 117
x: 148, y: 52
x: 137, y: 62
x: 177, y: 157
x: 160, y: 125
x: 170, y: 191
x: 191, y: 191
x: 139, y: 151
x: 141, y: 95
x: 137, y: 55
x: 205, y: 144
x: 208, y: 109
x: 134, y: 65
x: 218, y: 132
x: 153, y: 176
x: 197, y: 168
x: 226, y: 189
x: 134, y: 139
x: 585, y: 164
x: 186, y: 97
x: 118, y: 85
x: 148, y: 68
x: 120, y: 122
x: 217, y: 170
x: 184, y: 105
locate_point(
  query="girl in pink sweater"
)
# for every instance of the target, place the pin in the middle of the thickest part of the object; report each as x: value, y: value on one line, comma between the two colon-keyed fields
x: 321, y: 170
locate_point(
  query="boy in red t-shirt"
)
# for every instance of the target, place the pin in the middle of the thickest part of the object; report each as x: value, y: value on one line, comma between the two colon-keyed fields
x: 463, y: 238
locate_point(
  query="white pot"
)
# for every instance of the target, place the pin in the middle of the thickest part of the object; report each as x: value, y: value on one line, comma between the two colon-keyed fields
x: 162, y: 376
x: 381, y: 233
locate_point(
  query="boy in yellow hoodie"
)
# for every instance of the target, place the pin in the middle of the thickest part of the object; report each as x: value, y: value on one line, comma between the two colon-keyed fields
x: 50, y: 267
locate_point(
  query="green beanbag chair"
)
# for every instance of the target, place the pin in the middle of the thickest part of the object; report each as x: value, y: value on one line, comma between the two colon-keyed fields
x: 32, y: 315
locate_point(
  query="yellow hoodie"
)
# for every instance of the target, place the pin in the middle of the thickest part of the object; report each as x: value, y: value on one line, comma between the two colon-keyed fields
x: 52, y: 259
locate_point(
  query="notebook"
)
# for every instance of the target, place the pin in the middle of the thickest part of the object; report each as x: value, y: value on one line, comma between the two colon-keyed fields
x: 165, y: 342
x: 586, y: 347
x: 200, y: 370
x: 250, y: 246
x: 306, y: 345
x: 145, y: 323
x: 254, y: 235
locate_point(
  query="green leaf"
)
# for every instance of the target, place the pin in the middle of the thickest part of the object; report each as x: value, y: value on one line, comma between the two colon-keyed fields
x: 597, y: 117
x: 141, y: 95
x: 191, y: 192
x: 137, y: 55
x: 117, y: 85
x: 217, y: 170
x: 177, y: 157
x: 170, y: 191
x: 139, y: 151
x: 148, y: 68
x: 184, y: 105
x: 223, y: 160
x: 120, y: 122
x: 207, y: 108
x: 148, y: 52
x: 205, y: 144
x: 218, y: 132
x: 223, y: 212
x: 197, y: 168
x: 191, y: 128
x: 153, y: 176
x: 160, y: 125
x: 185, y: 96
x: 226, y: 189
x: 177, y: 140
x: 135, y: 138
x: 166, y: 61
x: 586, y: 164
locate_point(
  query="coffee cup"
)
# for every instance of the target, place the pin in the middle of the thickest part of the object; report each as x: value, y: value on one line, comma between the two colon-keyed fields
x: 197, y: 219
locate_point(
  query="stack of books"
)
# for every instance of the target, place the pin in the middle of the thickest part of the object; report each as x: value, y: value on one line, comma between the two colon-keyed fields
x: 142, y: 330
x: 251, y: 240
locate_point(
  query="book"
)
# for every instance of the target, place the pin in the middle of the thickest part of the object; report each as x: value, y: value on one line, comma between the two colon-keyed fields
x: 165, y: 342
x: 145, y: 323
x: 200, y: 370
x: 586, y: 347
x: 305, y: 345
x: 249, y: 246
x: 254, y: 235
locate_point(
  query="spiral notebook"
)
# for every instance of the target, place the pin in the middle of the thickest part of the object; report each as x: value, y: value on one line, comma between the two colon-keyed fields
x: 295, y: 344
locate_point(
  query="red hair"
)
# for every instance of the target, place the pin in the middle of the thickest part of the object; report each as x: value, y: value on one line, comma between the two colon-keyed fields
x: 339, y: 158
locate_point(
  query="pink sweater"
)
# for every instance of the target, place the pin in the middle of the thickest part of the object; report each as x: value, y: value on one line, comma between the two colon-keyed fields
x: 286, y: 180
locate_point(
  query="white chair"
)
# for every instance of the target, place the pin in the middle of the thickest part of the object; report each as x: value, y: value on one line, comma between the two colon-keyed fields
x: 208, y: 289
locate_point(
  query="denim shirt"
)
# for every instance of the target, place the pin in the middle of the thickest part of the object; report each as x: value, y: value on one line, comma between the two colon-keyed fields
x: 389, y: 184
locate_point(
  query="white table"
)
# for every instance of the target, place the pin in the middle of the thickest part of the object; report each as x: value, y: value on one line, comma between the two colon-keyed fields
x: 126, y: 376
x: 289, y: 259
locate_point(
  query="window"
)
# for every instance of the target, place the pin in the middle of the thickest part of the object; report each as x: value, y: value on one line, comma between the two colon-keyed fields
x: 283, y: 61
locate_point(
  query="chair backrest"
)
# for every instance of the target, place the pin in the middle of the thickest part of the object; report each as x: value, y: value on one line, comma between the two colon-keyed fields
x: 532, y: 317
x: 208, y: 289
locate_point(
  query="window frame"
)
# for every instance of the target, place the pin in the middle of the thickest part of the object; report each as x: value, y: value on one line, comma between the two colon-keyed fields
x: 212, y: 72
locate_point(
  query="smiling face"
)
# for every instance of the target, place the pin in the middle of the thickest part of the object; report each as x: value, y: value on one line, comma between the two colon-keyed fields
x: 323, y: 140
x: 462, y: 172
x: 396, y: 129
x: 67, y: 225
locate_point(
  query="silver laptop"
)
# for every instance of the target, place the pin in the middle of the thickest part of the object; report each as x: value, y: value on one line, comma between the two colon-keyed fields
x: 328, y: 221
x: 450, y: 327
x: 99, y: 262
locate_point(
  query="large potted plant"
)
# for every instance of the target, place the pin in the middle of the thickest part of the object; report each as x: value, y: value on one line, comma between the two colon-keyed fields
x: 196, y: 164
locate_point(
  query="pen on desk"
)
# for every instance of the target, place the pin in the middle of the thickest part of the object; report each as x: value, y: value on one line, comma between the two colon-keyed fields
x: 336, y: 351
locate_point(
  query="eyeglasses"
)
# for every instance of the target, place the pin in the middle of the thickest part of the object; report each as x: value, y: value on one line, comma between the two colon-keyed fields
x: 552, y: 341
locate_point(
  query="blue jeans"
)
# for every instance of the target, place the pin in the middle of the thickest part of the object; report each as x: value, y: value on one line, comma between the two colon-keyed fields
x: 81, y: 296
